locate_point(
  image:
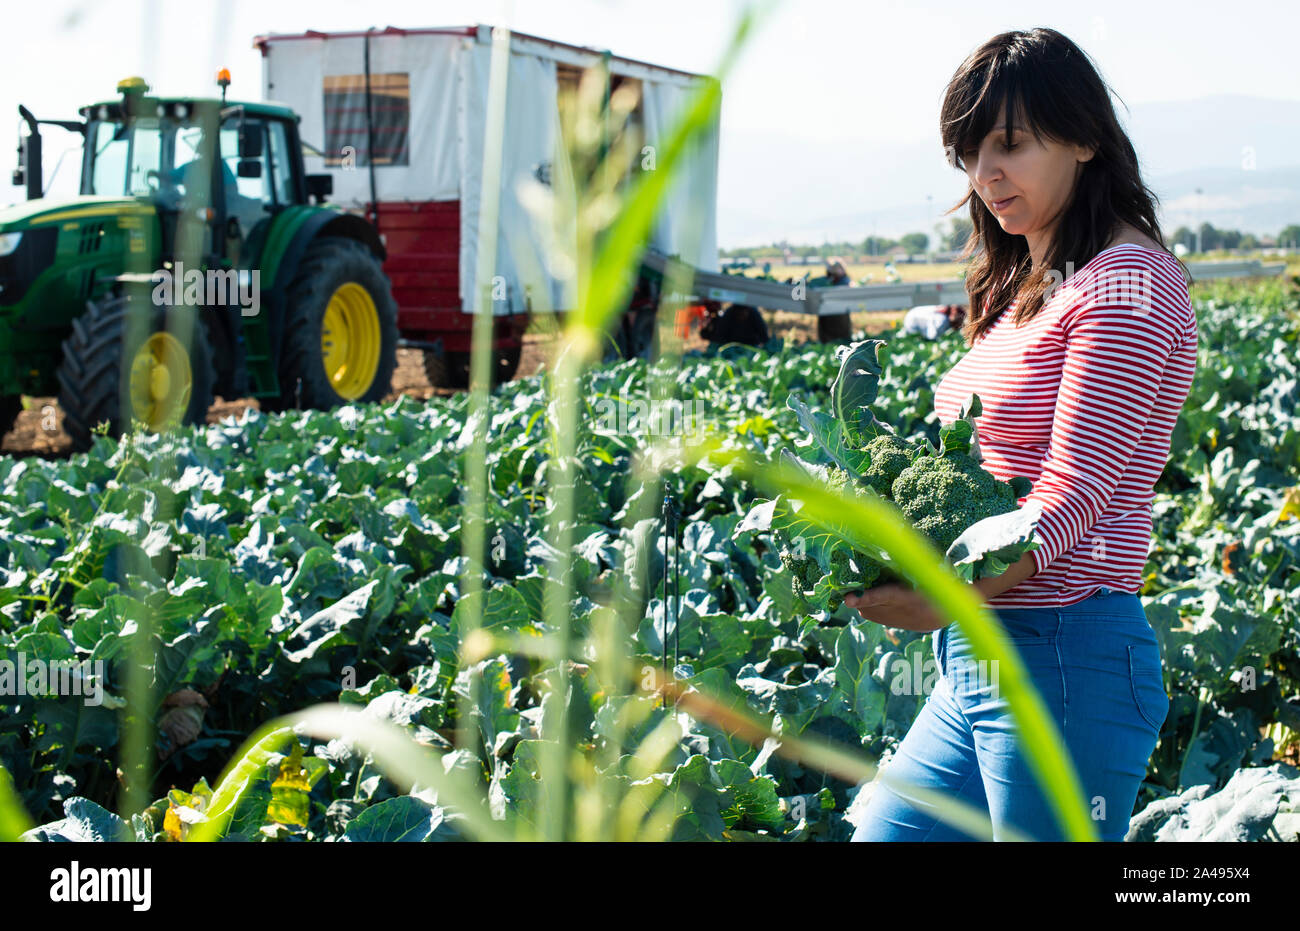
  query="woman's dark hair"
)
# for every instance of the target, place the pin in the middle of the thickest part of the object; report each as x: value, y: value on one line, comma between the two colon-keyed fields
x: 1044, y: 82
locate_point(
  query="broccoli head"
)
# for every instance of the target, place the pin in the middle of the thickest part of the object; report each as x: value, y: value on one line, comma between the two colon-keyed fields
x: 851, y: 570
x: 804, y: 571
x: 943, y: 495
x: 890, y: 455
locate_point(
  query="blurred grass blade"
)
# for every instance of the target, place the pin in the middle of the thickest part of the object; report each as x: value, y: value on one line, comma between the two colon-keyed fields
x: 473, y: 523
x: 13, y: 817
x: 605, y: 280
x: 606, y: 291
x: 398, y: 756
x: 869, y: 523
x: 835, y: 760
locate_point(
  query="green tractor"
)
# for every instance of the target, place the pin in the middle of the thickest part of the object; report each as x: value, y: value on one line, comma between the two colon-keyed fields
x: 198, y: 260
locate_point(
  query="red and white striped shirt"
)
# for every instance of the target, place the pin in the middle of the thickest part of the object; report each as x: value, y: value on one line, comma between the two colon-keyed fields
x: 1082, y: 400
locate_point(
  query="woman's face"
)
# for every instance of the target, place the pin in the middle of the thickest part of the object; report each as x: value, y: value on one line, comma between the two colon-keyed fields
x: 1027, y: 184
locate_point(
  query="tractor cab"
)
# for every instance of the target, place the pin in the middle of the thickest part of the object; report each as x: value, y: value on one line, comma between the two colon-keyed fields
x: 232, y: 167
x: 191, y: 264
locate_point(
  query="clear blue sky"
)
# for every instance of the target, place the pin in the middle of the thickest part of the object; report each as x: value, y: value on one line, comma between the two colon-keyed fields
x: 838, y: 71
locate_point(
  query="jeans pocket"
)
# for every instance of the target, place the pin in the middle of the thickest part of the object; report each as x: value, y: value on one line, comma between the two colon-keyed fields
x: 1031, y: 627
x: 1148, y: 684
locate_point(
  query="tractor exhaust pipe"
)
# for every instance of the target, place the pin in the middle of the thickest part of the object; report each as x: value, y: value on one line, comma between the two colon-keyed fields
x: 29, y: 156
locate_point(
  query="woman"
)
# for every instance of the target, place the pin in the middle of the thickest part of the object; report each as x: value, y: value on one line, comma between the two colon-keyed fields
x: 1083, y: 348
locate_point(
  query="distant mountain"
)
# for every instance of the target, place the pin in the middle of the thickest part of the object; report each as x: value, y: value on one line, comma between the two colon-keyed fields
x: 1242, y: 152
x: 1251, y: 201
x: 1215, y: 132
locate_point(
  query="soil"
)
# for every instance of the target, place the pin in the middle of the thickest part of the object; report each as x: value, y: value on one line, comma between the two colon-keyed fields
x: 38, y: 430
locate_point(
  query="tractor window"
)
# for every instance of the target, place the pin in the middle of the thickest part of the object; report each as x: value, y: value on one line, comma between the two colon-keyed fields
x: 248, y: 199
x: 126, y: 159
x: 258, y: 188
x: 281, y: 163
x: 189, y: 143
x: 146, y: 156
x: 108, y: 173
x: 193, y: 171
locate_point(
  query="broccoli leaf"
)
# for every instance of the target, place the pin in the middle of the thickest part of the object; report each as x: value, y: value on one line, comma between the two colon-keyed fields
x: 989, y: 546
x: 855, y: 388
x: 817, y: 539
x: 961, y: 436
x: 827, y: 434
x: 956, y: 437
x: 823, y: 561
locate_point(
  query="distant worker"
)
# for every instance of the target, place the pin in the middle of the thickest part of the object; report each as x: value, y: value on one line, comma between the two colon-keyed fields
x: 933, y: 320
x: 836, y: 275
x: 738, y: 323
x: 833, y: 328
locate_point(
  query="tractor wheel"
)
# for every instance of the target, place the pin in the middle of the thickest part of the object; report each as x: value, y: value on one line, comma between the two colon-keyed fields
x: 446, y: 369
x: 10, y: 405
x: 507, y: 363
x: 115, y: 369
x: 451, y: 369
x: 834, y: 328
x: 340, y: 342
x: 635, y: 335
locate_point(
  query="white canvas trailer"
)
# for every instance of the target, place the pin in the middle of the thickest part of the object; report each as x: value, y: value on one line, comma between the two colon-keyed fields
x: 411, y: 154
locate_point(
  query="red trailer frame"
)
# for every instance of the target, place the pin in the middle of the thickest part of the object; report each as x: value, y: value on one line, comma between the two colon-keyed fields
x: 423, y: 243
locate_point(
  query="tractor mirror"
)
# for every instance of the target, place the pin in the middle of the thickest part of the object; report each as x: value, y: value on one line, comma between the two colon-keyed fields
x: 249, y: 168
x: 320, y: 186
x: 250, y: 143
x: 19, y: 178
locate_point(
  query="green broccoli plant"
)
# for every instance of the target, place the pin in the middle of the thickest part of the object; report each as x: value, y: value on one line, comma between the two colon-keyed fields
x: 945, y: 494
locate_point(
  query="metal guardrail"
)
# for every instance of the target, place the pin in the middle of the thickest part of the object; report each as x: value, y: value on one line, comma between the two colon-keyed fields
x: 737, y: 289
x: 799, y: 298
x: 898, y: 296
x: 1252, y: 268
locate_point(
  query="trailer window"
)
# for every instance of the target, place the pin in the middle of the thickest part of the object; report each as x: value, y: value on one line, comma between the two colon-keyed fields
x: 346, y: 142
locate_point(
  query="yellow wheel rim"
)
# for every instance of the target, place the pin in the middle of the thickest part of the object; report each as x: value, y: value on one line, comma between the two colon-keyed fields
x: 161, y: 382
x: 350, y: 341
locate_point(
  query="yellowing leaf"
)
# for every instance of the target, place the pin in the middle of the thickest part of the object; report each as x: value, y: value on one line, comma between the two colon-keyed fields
x: 172, y: 823
x: 185, y: 809
x: 1290, y: 505
x: 757, y: 425
x: 290, y: 802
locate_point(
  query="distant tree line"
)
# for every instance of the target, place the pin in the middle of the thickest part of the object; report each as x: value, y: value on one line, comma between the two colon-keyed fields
x: 1212, y: 238
x: 959, y: 231
x: 913, y: 243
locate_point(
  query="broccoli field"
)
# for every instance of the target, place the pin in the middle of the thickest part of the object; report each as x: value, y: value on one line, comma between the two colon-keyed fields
x: 267, y: 564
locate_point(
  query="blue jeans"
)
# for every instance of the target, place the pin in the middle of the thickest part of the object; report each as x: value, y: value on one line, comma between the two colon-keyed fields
x: 1097, y: 666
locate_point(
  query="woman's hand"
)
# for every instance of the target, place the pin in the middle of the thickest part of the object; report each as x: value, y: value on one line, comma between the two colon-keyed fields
x: 897, y: 606
x: 905, y: 609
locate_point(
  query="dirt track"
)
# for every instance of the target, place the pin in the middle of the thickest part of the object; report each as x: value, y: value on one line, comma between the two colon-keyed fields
x: 39, y: 429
